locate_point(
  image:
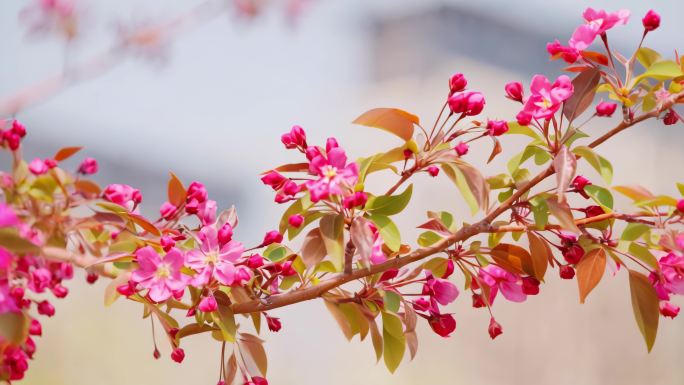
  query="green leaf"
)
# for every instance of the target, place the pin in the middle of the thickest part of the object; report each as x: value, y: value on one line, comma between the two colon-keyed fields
x: 275, y: 252
x: 660, y: 200
x: 429, y: 238
x: 394, y: 340
x: 12, y: 241
x: 391, y: 301
x: 680, y: 187
x: 647, y: 56
x: 332, y: 231
x: 388, y: 231
x: 470, y: 183
x: 662, y: 70
x: 645, y: 306
x: 393, y: 120
x: 644, y: 255
x: 540, y: 211
x: 599, y: 163
x: 633, y: 231
x: 600, y: 195
x: 389, y: 204
x: 437, y: 266
x: 514, y: 128
x: 541, y: 156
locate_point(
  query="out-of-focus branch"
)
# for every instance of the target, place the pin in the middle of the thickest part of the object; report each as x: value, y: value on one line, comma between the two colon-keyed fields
x: 110, y: 57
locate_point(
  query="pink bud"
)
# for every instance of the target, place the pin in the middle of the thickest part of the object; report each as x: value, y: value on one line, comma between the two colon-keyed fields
x: 296, y: 220
x: 298, y: 136
x: 389, y: 274
x: 273, y: 179
x: 255, y: 261
x: 449, y: 269
x: 670, y: 117
x: 442, y: 324
x: 468, y: 103
x: 433, y: 170
x: 91, y: 278
x: 196, y: 191
x: 206, y: 212
x: 567, y: 272
x: 680, y: 205
x: 291, y: 188
x: 573, y: 254
x: 35, y: 329
x: 38, y: 167
x: 88, y: 166
x: 358, y: 199
x: 530, y: 285
x: 421, y: 304
x: 60, y: 291
x: 605, y: 109
x: 18, y: 129
x: 272, y: 236
x: 330, y: 144
x: 46, y: 308
x: 478, y: 302
x: 461, y: 148
x: 167, y: 243
x: 208, y: 304
x: 494, y: 329
x: 514, y: 91
x: 127, y: 289
x: 408, y: 153
x: 50, y: 163
x: 288, y: 270
x: 651, y: 20
x: 497, y: 127
x: 178, y: 355
x: 156, y: 354
x: 579, y: 183
x: 457, y: 83
x: 312, y: 152
x: 167, y: 210
x: 523, y: 118
x: 225, y: 234
x: 274, y: 324
x: 259, y: 381
x: 172, y: 332
x: 668, y: 310
x: 13, y: 141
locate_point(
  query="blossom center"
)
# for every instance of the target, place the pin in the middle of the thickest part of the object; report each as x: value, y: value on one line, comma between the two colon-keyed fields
x: 211, y: 258
x: 329, y: 172
x: 163, y: 271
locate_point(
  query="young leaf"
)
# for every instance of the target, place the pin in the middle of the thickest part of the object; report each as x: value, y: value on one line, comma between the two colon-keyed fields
x: 599, y: 163
x: 565, y: 164
x: 362, y: 237
x: 512, y: 258
x: 394, y: 340
x: 600, y: 195
x: 66, y: 153
x: 647, y: 56
x: 590, y: 271
x: 253, y: 347
x: 332, y: 231
x: 176, y: 191
x: 540, y: 254
x: 389, y: 204
x: 635, y: 193
x: 393, y: 120
x: 645, y: 306
x: 563, y: 214
x: 388, y: 231
x: 470, y: 182
x: 14, y: 327
x: 313, y: 249
x: 585, y: 88
x: 340, y: 318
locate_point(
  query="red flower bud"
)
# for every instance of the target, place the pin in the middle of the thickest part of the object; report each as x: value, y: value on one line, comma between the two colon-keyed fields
x: 523, y: 118
x: 514, y: 91
x: 494, y: 329
x: 156, y: 354
x: 670, y: 118
x: 449, y: 269
x: 178, y: 355
x: 88, y: 166
x: 579, y: 183
x: 605, y: 109
x: 127, y: 289
x: 497, y: 127
x: 46, y: 308
x: 273, y: 179
x: 91, y: 278
x: 274, y: 324
x: 573, y: 254
x: 478, y: 302
x: 272, y: 236
x: 592, y: 211
x: 18, y: 129
x: 457, y: 83
x: 60, y: 291
x: 295, y: 220
x: 208, y: 304
x: 255, y: 261
x: 651, y: 20
x: 433, y: 170
x: 680, y: 205
x: 225, y: 234
x: 668, y: 310
x: 167, y: 243
x: 196, y: 191
x: 468, y: 103
x: 407, y: 153
x: 358, y: 199
x: 167, y: 210
x: 567, y: 272
x: 35, y: 329
x: 259, y: 381
x: 530, y: 285
x: 461, y: 148
x: 389, y: 274
x: 442, y: 324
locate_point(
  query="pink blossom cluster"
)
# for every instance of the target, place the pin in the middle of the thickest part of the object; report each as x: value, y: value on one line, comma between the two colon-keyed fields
x: 669, y: 279
x: 11, y: 136
x: 545, y: 97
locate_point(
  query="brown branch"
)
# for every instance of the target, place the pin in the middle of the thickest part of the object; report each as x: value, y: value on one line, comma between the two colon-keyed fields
x: 81, y: 260
x: 578, y: 222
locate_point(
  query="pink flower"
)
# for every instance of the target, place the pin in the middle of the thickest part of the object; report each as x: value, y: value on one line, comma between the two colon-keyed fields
x: 38, y: 167
x: 499, y: 279
x: 605, y: 109
x: 167, y: 210
x: 225, y: 234
x: 442, y: 290
x: 461, y: 148
x: 335, y: 175
x: 88, y: 166
x: 123, y: 195
x: 667, y: 309
x: 469, y: 103
x: 196, y: 192
x: 546, y: 98
x: 207, y: 212
x: 442, y: 324
x: 497, y: 127
x: 514, y: 91
x: 583, y: 36
x: 358, y: 199
x: 7, y: 216
x: 556, y: 49
x: 604, y: 20
x: 494, y: 329
x: 7, y: 302
x: 457, y: 83
x: 651, y: 20
x: 296, y: 138
x: 672, y: 268
x: 208, y: 304
x: 296, y: 220
x: 162, y: 276
x: 214, y: 260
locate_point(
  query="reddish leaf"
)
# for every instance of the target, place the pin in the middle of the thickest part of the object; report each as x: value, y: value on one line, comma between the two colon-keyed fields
x: 313, y: 248
x: 176, y: 191
x: 14, y: 327
x: 590, y: 271
x: 565, y: 164
x: 87, y: 187
x: 561, y: 211
x: 596, y: 57
x: 540, y: 254
x: 581, y: 68
x: 585, y: 87
x: 393, y: 120
x: 511, y: 257
x: 636, y: 193
x: 362, y: 237
x: 645, y: 306
x: 145, y: 224
x: 66, y: 153
x: 292, y: 167
x: 253, y: 347
x: 495, y: 151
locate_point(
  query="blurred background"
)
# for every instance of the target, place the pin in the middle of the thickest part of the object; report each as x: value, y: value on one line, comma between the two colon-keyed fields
x: 211, y: 105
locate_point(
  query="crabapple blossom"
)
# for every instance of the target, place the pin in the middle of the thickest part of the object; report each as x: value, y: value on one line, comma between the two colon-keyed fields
x: 651, y: 20
x: 161, y: 275
x: 605, y: 109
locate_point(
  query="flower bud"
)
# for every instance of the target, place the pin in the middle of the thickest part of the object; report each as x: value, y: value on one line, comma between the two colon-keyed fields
x: 680, y: 205
x: 38, y: 167
x: 178, y: 355
x: 35, y: 329
x: 514, y: 91
x: 567, y: 272
x: 330, y: 144
x: 274, y: 324
x: 88, y: 166
x: 530, y: 285
x: 255, y: 261
x: 573, y: 254
x: 60, y: 291
x: 579, y: 183
x: 651, y: 20
x: 433, y: 170
x: 592, y: 211
x: 156, y: 354
x: 421, y: 304
x: 389, y: 274
x: 408, y: 153
x: 670, y: 117
x: 461, y: 148
x: 259, y: 381
x: 667, y: 309
x: 167, y: 243
x: 91, y: 278
x: 478, y: 302
x: 295, y: 220
x: 449, y: 269
x: 298, y: 136
x: 18, y: 129
x: 127, y: 289
x: 46, y: 308
x: 494, y: 329
x: 606, y: 109
x: 497, y: 127
x: 273, y: 179
x: 287, y: 269
x: 523, y: 118
x: 272, y: 236
x: 196, y: 191
x: 291, y: 188
x: 358, y: 199
x: 457, y: 83
x: 50, y: 163
x: 167, y: 210
x: 468, y: 103
x: 442, y: 324
x: 208, y: 304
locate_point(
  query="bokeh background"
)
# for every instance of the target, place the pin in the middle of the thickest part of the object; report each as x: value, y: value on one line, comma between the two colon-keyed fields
x: 210, y: 107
